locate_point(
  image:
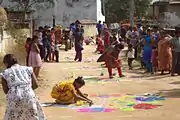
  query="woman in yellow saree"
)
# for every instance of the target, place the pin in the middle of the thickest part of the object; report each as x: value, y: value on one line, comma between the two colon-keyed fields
x: 68, y: 92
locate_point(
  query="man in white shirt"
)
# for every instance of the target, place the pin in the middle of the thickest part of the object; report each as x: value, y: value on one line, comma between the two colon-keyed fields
x: 129, y: 35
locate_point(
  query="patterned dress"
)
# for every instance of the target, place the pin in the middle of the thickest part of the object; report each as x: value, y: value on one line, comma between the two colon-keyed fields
x: 22, y: 103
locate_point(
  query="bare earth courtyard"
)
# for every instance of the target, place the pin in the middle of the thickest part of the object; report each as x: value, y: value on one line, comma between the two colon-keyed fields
x: 135, y: 83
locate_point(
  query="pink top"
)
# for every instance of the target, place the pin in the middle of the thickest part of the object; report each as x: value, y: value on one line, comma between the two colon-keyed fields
x: 33, y: 49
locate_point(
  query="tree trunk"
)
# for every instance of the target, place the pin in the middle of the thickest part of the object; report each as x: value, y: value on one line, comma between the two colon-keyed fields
x: 131, y: 11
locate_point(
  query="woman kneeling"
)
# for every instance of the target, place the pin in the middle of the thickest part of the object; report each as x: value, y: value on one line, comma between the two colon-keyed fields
x: 68, y: 92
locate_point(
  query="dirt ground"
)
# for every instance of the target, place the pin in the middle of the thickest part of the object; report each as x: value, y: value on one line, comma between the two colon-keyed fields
x: 135, y: 82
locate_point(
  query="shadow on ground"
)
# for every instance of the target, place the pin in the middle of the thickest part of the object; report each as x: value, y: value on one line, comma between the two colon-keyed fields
x: 172, y: 93
x: 177, y: 82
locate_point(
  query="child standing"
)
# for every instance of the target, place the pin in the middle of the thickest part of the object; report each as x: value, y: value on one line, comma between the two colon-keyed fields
x: 52, y: 54
x: 56, y: 51
x: 130, y: 55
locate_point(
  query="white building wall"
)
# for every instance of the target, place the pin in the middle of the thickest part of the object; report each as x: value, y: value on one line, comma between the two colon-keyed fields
x: 83, y: 9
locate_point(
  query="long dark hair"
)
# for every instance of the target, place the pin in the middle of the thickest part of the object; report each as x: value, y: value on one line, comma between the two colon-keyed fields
x: 80, y: 81
x: 10, y: 60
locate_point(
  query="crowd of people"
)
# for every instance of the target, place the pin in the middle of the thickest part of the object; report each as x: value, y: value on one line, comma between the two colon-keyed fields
x: 45, y: 43
x: 153, y: 47
x: 18, y: 82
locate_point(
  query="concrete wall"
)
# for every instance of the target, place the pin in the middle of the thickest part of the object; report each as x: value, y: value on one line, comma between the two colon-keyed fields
x: 5, y: 42
x: 65, y: 14
x: 90, y: 30
x: 168, y: 15
x: 174, y: 17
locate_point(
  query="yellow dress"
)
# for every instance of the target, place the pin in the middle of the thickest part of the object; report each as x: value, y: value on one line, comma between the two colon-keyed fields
x: 63, y: 92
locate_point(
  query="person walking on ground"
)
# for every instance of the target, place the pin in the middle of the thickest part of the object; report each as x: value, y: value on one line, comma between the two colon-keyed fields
x: 164, y: 53
x: 34, y: 56
x: 112, y: 59
x: 18, y: 83
x: 99, y: 28
x: 78, y: 45
x: 176, y: 52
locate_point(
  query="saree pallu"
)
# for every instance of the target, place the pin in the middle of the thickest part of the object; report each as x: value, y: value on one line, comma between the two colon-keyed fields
x: 164, y: 55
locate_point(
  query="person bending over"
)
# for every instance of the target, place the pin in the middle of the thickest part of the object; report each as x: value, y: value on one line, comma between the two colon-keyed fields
x: 68, y: 92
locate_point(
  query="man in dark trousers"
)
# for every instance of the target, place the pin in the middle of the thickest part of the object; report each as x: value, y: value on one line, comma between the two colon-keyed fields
x: 99, y: 28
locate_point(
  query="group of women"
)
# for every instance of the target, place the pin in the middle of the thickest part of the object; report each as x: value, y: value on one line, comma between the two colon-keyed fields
x: 161, y: 53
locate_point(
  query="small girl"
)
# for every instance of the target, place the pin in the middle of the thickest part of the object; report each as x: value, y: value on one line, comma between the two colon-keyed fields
x: 130, y: 55
x: 34, y: 56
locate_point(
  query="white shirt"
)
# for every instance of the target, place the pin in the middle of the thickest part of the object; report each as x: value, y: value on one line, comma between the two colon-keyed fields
x: 40, y: 39
x: 129, y: 34
x: 131, y: 54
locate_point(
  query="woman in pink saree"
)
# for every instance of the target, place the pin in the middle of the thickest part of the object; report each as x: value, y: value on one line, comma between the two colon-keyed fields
x: 164, y: 53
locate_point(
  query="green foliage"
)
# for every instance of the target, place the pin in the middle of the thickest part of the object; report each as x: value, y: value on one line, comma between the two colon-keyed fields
x: 117, y: 10
x: 141, y: 7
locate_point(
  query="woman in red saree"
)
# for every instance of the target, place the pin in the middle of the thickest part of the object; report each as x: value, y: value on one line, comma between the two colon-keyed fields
x: 164, y: 53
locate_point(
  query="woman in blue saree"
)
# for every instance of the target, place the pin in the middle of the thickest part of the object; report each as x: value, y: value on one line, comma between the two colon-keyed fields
x: 148, y: 51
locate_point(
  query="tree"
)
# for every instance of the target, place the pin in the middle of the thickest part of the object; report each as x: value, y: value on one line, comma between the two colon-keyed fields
x: 117, y: 10
x: 141, y: 7
x: 27, y: 5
